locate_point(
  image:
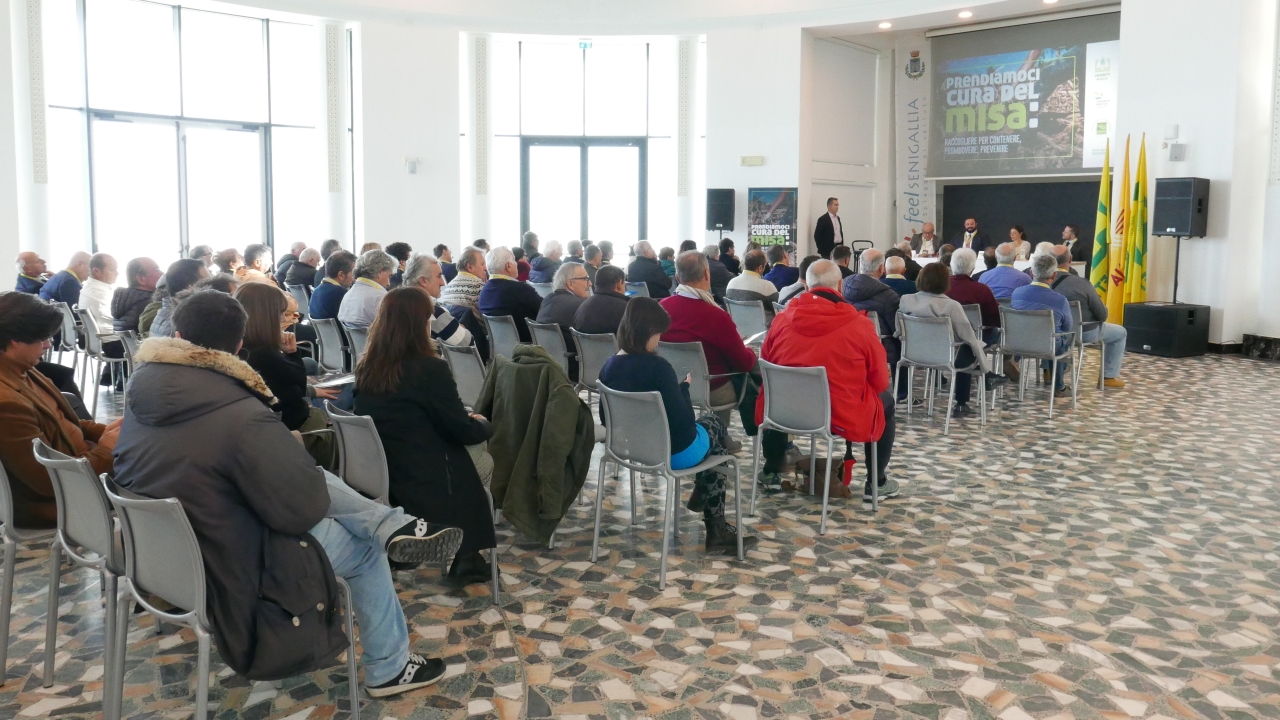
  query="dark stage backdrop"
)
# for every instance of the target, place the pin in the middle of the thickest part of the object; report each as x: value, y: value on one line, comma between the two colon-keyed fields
x: 1042, y: 209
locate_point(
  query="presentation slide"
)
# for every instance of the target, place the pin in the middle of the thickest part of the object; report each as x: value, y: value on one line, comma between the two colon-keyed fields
x: 1031, y: 99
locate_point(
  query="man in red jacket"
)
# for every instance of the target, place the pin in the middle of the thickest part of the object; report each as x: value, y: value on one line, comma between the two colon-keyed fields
x: 819, y: 329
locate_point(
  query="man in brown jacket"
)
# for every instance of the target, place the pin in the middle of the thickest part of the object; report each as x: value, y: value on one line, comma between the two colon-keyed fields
x: 31, y: 407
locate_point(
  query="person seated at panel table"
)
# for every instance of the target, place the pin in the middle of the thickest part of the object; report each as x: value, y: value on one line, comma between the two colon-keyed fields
x: 1003, y: 279
x: 638, y: 368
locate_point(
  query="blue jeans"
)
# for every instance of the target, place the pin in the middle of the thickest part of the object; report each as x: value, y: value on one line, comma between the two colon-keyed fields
x: 354, y: 535
x: 1113, y: 339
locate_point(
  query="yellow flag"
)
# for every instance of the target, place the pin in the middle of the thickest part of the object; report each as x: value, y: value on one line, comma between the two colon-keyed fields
x: 1115, y: 288
x: 1099, y: 268
x: 1135, y: 268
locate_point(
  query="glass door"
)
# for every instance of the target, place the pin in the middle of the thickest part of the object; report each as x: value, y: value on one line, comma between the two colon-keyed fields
x: 613, y: 193
x: 135, y: 175
x: 224, y: 186
x: 584, y: 187
x: 555, y: 191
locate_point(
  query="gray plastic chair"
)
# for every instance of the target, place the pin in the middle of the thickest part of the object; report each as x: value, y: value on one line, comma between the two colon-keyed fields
x: 84, y: 523
x: 777, y: 308
x: 929, y: 343
x: 637, y: 289
x: 358, y: 338
x: 593, y: 351
x: 163, y: 559
x: 544, y: 289
x: 333, y: 345
x: 550, y: 337
x: 69, y: 334
x: 1079, y: 328
x: 1031, y: 335
x: 748, y: 316
x: 93, y: 350
x: 504, y: 336
x: 875, y: 320
x: 362, y: 463
x: 468, y: 372
x: 638, y: 438
x: 13, y: 536
x: 301, y: 296
x: 131, y: 342
x: 973, y: 312
x: 689, y: 358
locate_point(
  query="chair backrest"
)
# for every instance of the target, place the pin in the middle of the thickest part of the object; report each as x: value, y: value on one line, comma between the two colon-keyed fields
x: 300, y: 296
x: 926, y: 340
x: 549, y: 337
x: 1005, y: 301
x: 6, y: 500
x: 797, y: 398
x: 689, y: 358
x: 504, y: 336
x: 70, y: 327
x: 362, y: 463
x: 162, y: 555
x: 329, y: 333
x: 593, y: 351
x: 748, y: 316
x: 544, y: 289
x: 638, y: 289
x: 1077, y: 320
x: 359, y: 337
x: 84, y: 512
x: 468, y: 372
x: 973, y: 312
x: 875, y: 320
x: 92, y: 342
x: 1027, y: 332
x: 778, y: 307
x: 636, y: 427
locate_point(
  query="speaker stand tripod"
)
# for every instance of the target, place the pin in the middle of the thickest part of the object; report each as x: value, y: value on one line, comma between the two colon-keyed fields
x: 1177, y: 258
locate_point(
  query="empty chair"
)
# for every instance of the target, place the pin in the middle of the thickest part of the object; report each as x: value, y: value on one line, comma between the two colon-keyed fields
x: 163, y: 560
x: 13, y: 536
x: 302, y: 296
x: 550, y: 337
x: 93, y: 350
x: 544, y: 289
x: 593, y: 351
x: 929, y: 343
x: 1079, y: 328
x: 358, y: 337
x: 362, y: 463
x: 504, y: 336
x: 748, y: 316
x: 1031, y: 335
x: 468, y: 371
x: 333, y: 345
x: 638, y: 289
x: 689, y: 358
x: 638, y: 438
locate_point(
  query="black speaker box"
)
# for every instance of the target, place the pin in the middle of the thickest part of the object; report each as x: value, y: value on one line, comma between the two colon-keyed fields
x: 1167, y: 329
x: 1181, y: 207
x: 720, y: 208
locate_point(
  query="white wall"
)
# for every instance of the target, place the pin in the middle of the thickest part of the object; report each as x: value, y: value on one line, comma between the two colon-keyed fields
x: 9, y: 243
x: 1217, y: 89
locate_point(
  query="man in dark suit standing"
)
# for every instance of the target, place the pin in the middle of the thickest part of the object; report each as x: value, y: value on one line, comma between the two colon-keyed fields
x: 972, y: 237
x: 829, y: 232
x: 1081, y: 248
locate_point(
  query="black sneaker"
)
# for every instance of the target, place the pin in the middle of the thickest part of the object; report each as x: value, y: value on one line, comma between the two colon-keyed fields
x: 770, y: 482
x: 960, y: 410
x: 994, y: 381
x: 697, y: 503
x: 470, y: 569
x: 722, y: 538
x: 419, y: 672
x: 422, y: 542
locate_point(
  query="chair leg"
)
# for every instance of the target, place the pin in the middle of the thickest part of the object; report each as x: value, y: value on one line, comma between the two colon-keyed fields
x: 51, y: 616
x: 951, y: 397
x: 120, y: 638
x: 97, y: 387
x: 493, y: 553
x: 202, y: 674
x: 911, y: 376
x: 1102, y: 366
x: 875, y: 482
x: 813, y: 461
x: 595, y: 542
x: 929, y: 389
x: 826, y: 485
x: 6, y: 604
x: 353, y: 681
x: 982, y: 398
x: 737, y: 507
x: 755, y: 468
x: 110, y: 583
x: 1053, y: 377
x: 632, y: 476
x: 666, y: 532
x: 675, y: 511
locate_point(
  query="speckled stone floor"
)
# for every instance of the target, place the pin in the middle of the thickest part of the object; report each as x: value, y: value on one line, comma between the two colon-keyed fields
x: 1116, y: 562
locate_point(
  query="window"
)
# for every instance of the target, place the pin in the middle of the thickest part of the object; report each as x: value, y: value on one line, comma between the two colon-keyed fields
x: 200, y: 128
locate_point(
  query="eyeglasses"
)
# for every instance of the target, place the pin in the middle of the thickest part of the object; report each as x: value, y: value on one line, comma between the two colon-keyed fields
x: 584, y: 277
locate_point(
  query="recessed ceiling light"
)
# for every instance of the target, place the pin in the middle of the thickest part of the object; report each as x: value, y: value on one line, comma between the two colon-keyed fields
x: 886, y: 25
x: 966, y: 15
x: 1050, y: 2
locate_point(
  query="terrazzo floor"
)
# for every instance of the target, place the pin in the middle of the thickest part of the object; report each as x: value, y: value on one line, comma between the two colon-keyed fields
x: 1117, y: 562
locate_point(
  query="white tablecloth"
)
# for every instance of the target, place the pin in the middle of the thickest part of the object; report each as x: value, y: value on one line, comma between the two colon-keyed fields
x: 1017, y: 264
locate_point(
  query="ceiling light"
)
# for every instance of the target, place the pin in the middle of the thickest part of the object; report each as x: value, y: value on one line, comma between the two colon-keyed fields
x: 1050, y: 2
x: 966, y: 15
x: 886, y: 25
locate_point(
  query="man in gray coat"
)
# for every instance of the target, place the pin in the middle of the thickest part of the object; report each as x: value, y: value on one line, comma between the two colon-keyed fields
x: 1092, y: 310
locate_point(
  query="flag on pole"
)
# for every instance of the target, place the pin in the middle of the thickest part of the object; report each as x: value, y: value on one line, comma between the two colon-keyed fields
x: 1115, y: 288
x: 1099, y: 268
x: 1135, y: 269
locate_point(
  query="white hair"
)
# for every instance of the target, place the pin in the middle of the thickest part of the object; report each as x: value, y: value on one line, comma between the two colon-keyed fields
x: 824, y: 273
x: 1044, y: 267
x: 895, y: 265
x: 560, y: 281
x: 870, y: 261
x: 417, y: 267
x: 1005, y: 253
x: 711, y: 251
x: 962, y: 261
x: 1044, y: 248
x: 497, y: 260
x: 310, y: 256
x: 375, y: 262
x: 574, y: 247
x: 642, y: 248
x: 552, y: 247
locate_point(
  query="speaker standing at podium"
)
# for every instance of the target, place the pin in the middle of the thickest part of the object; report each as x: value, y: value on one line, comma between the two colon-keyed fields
x: 829, y: 233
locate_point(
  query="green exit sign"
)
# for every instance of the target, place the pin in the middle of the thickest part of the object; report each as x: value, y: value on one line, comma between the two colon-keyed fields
x: 585, y: 43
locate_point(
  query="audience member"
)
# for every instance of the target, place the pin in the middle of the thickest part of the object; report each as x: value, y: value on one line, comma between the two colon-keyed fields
x: 411, y: 395
x: 591, y: 259
x: 781, y: 274
x: 720, y: 275
x: 327, y: 248
x: 1092, y: 310
x: 728, y: 257
x: 302, y: 271
x: 95, y: 294
x: 988, y: 259
x: 401, y: 251
x: 894, y: 277
x: 931, y: 301
x: 181, y: 275
x: 967, y: 291
x: 203, y: 253
x: 33, y: 273
x: 606, y: 252
x: 464, y: 289
x: 1039, y: 296
x: 31, y: 407
x: 529, y: 244
x: 667, y: 259
x: 866, y: 292
x: 228, y: 261
x: 695, y: 317
x: 904, y: 251
x: 257, y: 265
x: 370, y: 246
x: 127, y: 303
x: 790, y: 292
x: 504, y: 295
x: 65, y: 285
x: 423, y: 272
x: 574, y: 248
x: 262, y: 511
x: 1042, y: 248
x: 481, y: 244
x: 638, y: 368
x: 646, y: 269
x: 444, y: 256
x: 221, y: 282
x: 841, y: 255
x: 542, y: 269
x: 751, y: 285
x: 820, y: 330
x: 339, y: 274
x: 523, y: 268
x: 687, y: 245
x: 570, y: 289
x: 602, y: 312
x: 273, y: 353
x: 1003, y: 279
x: 282, y: 266
x: 373, y: 275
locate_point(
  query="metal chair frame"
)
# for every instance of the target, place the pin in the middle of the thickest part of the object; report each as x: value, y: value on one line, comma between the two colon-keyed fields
x: 907, y: 327
x: 328, y: 332
x: 590, y: 360
x: 1027, y: 352
x: 1079, y: 327
x: 748, y: 316
x: 550, y: 337
x: 302, y: 296
x: 680, y: 355
x: 67, y: 341
x: 504, y: 335
x: 93, y: 350
x: 637, y: 289
x: 468, y: 371
x: 357, y: 338
x: 13, y: 536
x: 544, y: 289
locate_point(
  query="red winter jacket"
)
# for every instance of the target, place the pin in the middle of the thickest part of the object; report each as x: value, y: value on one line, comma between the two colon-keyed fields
x: 820, y: 329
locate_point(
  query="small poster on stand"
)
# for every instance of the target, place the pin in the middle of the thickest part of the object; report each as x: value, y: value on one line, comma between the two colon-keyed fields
x: 771, y: 216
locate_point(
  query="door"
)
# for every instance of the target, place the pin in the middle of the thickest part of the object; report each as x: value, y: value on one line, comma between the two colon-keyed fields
x: 584, y: 187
